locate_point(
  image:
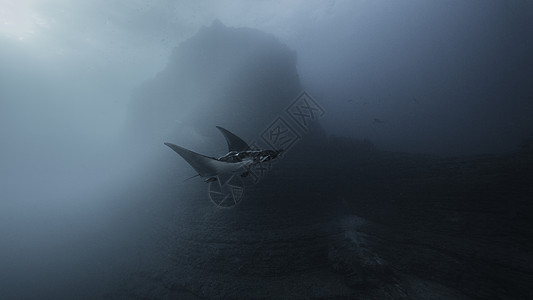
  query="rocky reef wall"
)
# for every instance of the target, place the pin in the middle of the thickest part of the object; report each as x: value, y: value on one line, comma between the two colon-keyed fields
x: 335, y: 218
x: 239, y: 78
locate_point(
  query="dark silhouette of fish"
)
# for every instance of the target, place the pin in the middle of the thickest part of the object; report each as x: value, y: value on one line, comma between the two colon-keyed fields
x: 239, y: 159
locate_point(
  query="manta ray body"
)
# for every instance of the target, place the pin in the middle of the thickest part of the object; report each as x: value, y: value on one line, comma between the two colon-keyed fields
x: 239, y: 159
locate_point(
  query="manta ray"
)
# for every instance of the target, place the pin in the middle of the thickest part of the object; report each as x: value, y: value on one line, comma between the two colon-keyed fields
x: 239, y: 159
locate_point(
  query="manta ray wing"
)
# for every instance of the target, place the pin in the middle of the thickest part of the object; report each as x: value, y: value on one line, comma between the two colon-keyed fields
x: 235, y: 143
x: 207, y: 166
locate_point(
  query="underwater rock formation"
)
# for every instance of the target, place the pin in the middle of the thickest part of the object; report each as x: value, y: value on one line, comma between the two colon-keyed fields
x: 336, y: 217
x: 240, y: 78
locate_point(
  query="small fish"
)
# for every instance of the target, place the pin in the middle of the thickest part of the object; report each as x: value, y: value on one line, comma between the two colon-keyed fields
x: 378, y: 121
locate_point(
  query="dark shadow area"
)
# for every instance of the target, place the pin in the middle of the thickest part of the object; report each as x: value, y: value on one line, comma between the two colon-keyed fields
x: 335, y: 217
x: 406, y: 178
x: 402, y: 178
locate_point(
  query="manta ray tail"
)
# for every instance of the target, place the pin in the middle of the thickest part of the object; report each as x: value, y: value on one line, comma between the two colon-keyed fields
x: 191, y: 177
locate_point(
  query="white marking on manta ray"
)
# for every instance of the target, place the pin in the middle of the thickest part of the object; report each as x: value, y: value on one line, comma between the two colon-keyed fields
x: 239, y: 158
